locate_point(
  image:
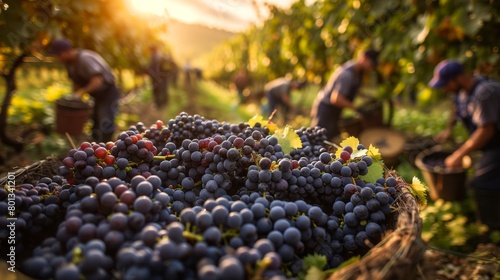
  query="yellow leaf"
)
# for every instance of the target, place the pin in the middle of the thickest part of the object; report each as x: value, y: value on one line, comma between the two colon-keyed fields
x: 260, y: 119
x: 256, y: 119
x: 288, y: 139
x: 349, y: 141
x: 272, y: 127
x: 419, y: 190
x: 55, y: 92
x: 374, y: 153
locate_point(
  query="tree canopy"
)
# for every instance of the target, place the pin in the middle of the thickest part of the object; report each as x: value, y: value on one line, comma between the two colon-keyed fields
x: 310, y: 40
x: 120, y: 35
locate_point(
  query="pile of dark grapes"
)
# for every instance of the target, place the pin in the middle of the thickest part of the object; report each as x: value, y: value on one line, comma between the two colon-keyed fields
x: 198, y: 199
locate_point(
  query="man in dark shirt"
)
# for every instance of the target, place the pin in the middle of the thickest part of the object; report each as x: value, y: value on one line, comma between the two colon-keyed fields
x: 340, y: 91
x: 478, y: 107
x: 91, y: 74
x: 278, y: 95
x: 477, y: 102
x: 161, y: 69
x: 241, y: 80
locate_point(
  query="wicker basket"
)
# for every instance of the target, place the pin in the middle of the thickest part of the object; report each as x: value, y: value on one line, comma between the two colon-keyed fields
x: 395, y: 257
x: 43, y: 168
x: 399, y: 252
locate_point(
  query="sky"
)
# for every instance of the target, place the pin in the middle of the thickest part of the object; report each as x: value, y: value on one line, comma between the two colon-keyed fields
x: 232, y: 15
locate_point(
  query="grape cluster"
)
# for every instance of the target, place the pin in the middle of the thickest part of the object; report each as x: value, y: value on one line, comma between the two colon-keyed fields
x: 40, y: 206
x: 199, y: 199
x: 125, y: 158
x: 157, y: 133
x: 102, y: 217
x: 185, y: 126
x: 312, y: 141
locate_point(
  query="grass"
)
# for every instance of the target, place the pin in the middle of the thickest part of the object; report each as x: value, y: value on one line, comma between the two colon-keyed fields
x: 223, y: 103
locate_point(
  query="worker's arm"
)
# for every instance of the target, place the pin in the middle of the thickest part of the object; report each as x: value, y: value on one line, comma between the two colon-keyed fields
x: 336, y: 99
x: 445, y: 135
x: 342, y: 86
x: 95, y: 82
x: 476, y: 141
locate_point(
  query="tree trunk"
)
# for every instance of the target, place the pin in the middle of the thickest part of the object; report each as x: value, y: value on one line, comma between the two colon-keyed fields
x: 11, y: 87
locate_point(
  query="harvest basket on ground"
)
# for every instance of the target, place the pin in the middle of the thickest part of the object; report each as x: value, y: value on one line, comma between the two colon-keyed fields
x: 395, y: 257
x: 399, y: 252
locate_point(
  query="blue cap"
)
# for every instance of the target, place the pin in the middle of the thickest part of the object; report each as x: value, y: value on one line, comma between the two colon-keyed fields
x: 444, y: 72
x: 58, y: 46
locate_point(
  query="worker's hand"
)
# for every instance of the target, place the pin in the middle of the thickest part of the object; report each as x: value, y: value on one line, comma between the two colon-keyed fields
x: 454, y: 160
x: 78, y: 94
x: 443, y: 136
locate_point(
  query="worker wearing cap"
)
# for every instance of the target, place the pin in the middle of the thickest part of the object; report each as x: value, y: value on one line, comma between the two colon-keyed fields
x: 477, y: 105
x: 91, y: 74
x: 340, y: 91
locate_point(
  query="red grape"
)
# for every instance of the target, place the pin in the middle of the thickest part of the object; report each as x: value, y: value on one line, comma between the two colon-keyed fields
x: 159, y: 124
x: 348, y: 149
x: 100, y: 152
x: 345, y: 155
x: 69, y: 162
x: 109, y: 159
x: 238, y: 143
x: 148, y: 145
x: 109, y: 145
x: 211, y: 145
x: 85, y: 145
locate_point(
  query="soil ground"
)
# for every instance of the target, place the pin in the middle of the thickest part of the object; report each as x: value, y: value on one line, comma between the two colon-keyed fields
x: 446, y: 265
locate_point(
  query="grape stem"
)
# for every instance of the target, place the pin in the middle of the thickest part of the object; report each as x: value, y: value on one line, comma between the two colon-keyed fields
x: 164, y: 157
x: 192, y: 236
x: 229, y: 233
x: 261, y: 267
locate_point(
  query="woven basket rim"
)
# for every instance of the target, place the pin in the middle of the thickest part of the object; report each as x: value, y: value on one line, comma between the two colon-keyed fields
x: 43, y: 168
x: 399, y: 252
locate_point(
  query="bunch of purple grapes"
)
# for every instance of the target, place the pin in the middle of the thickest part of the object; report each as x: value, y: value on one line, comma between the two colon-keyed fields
x: 200, y: 199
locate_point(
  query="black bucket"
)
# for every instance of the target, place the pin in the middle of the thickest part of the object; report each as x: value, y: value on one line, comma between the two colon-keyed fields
x: 414, y: 145
x: 445, y: 183
x: 71, y: 116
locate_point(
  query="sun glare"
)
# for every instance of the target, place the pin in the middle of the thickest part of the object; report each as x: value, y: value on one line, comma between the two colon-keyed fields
x: 157, y: 7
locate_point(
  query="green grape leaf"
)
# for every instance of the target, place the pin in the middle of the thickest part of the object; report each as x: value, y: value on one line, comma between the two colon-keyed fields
x: 288, y: 139
x: 315, y: 260
x: 315, y: 273
x: 375, y: 171
x: 419, y: 190
x: 313, y: 267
